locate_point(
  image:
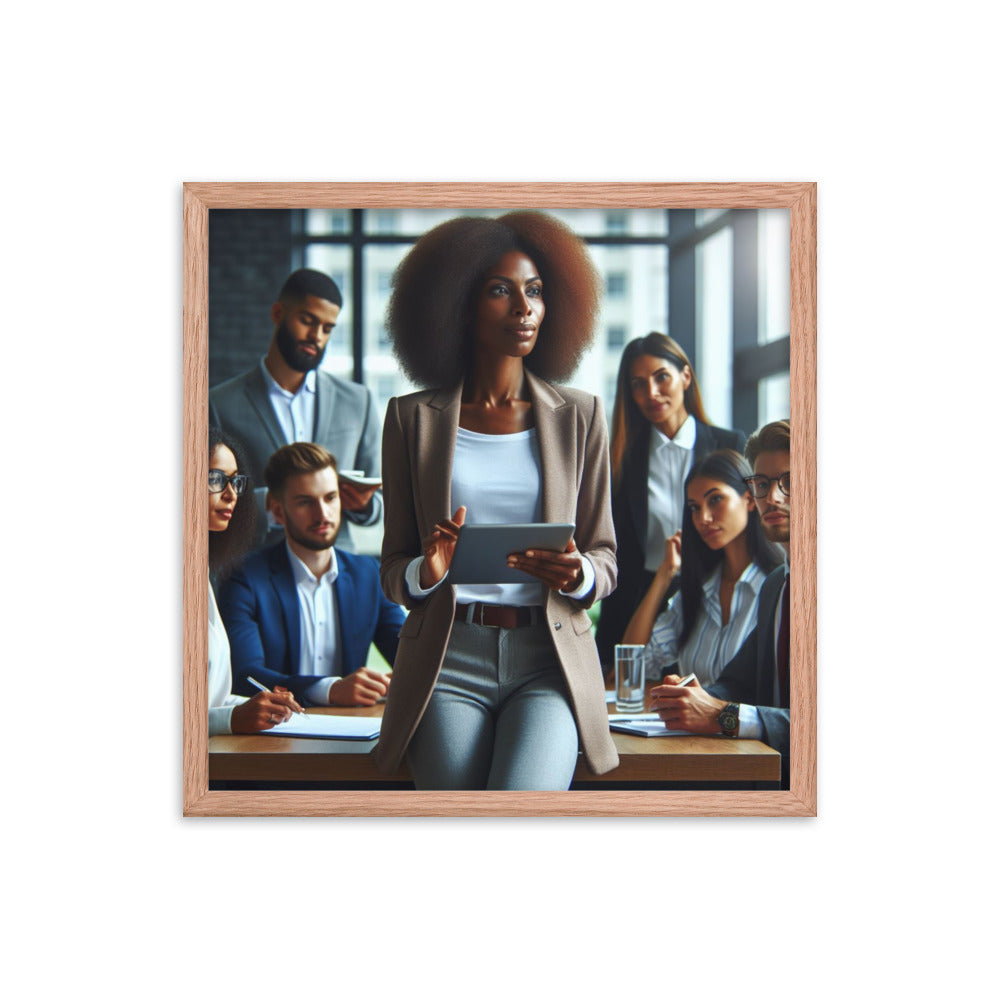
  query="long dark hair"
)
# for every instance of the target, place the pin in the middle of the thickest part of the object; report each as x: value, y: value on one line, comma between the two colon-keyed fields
x: 227, y: 548
x: 434, y: 288
x: 628, y: 426
x: 698, y: 561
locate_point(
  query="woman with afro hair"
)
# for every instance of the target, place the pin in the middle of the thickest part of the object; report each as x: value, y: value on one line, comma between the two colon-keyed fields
x: 497, y: 685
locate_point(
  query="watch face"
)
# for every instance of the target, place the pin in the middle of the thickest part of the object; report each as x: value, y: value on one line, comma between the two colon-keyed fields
x: 728, y: 720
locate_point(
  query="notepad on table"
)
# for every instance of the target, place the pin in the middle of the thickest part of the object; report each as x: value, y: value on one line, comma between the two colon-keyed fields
x: 327, y: 727
x: 645, y: 725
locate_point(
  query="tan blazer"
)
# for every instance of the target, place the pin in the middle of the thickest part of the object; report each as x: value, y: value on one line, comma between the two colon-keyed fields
x: 418, y: 446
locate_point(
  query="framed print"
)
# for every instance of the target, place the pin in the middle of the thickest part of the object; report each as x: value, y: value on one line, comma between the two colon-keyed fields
x: 727, y: 270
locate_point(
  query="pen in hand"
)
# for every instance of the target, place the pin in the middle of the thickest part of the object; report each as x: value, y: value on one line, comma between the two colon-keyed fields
x: 260, y: 687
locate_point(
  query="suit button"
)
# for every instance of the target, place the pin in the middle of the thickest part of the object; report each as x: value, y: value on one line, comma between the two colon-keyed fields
x: 558, y: 625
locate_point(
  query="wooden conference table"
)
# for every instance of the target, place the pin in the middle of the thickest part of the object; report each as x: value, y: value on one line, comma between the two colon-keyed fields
x: 288, y: 761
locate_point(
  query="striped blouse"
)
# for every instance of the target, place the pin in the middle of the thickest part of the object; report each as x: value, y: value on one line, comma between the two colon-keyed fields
x: 711, y: 644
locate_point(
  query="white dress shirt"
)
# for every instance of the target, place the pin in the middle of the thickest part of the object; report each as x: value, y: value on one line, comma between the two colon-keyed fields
x: 670, y: 462
x: 319, y: 627
x: 711, y: 645
x: 296, y: 411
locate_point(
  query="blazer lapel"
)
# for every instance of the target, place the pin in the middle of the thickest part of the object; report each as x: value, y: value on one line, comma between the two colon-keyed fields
x: 256, y: 393
x: 284, y: 586
x: 349, y: 621
x: 436, y: 433
x: 555, y: 425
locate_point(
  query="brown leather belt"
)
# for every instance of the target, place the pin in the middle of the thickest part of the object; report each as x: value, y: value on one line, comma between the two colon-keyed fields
x: 497, y: 615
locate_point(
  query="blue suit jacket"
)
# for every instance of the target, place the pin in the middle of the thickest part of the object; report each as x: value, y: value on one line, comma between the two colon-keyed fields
x: 749, y: 676
x: 260, y: 607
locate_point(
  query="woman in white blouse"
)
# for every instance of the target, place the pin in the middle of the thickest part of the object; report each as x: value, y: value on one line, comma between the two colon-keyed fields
x: 723, y: 558
x: 230, y: 534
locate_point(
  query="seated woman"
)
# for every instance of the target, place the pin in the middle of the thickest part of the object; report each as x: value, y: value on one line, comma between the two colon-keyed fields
x: 658, y: 430
x: 722, y: 557
x: 230, y: 535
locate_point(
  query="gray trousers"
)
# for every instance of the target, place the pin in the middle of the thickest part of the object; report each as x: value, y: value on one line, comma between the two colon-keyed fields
x: 499, y: 715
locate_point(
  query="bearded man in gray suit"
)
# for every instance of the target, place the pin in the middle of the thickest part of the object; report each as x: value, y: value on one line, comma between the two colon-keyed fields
x: 286, y: 398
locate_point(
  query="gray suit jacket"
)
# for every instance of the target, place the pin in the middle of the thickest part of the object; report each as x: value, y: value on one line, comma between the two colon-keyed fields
x: 346, y: 425
x: 418, y: 449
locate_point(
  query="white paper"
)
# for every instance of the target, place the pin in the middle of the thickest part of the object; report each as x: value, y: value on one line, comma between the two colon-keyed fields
x: 331, y: 727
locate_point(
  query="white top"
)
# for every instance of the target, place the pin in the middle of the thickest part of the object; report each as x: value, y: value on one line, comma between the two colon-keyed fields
x: 498, y: 479
x: 670, y: 461
x: 320, y: 651
x: 221, y: 699
x: 711, y: 644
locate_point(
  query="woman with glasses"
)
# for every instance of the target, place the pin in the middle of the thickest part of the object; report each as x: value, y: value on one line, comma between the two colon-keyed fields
x: 722, y: 559
x: 659, y: 430
x: 230, y: 535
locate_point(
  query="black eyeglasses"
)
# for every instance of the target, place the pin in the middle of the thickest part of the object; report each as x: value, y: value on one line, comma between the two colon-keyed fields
x: 218, y: 481
x: 760, y: 486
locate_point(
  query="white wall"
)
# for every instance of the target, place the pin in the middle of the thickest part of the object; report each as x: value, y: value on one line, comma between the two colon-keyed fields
x: 110, y: 108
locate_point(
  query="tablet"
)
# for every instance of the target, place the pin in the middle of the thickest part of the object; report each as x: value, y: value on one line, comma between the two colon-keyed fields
x: 482, y: 549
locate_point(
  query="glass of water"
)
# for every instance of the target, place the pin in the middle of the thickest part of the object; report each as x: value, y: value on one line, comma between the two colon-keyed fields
x: 630, y: 686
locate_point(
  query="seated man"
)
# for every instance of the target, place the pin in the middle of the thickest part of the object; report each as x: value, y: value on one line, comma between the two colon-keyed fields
x: 302, y: 614
x: 750, y: 698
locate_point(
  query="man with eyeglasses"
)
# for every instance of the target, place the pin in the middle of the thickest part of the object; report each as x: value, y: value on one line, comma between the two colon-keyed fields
x: 750, y: 698
x: 302, y: 614
x: 286, y: 398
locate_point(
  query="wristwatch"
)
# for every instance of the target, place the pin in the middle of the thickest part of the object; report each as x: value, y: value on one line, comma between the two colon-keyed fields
x: 729, y: 720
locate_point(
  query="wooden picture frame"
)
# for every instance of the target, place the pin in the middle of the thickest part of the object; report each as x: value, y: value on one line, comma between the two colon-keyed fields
x: 800, y: 200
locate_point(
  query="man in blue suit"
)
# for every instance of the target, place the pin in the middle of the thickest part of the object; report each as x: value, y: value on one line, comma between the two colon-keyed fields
x: 302, y: 614
x: 750, y: 698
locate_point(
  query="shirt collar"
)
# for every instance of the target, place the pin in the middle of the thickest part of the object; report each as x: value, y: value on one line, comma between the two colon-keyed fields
x: 684, y: 438
x: 303, y: 574
x: 753, y: 576
x: 308, y: 384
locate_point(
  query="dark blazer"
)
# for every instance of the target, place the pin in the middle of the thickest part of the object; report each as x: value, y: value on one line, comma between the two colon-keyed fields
x: 630, y: 509
x: 748, y: 678
x: 346, y: 425
x: 260, y: 608
x: 418, y: 447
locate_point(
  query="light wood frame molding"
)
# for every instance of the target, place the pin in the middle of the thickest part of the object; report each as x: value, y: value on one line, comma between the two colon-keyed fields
x: 800, y: 200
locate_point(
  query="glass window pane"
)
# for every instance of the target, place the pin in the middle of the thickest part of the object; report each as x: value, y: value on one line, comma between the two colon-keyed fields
x: 714, y: 324
x: 774, y: 400
x: 335, y: 260
x: 328, y: 221
x: 774, y: 274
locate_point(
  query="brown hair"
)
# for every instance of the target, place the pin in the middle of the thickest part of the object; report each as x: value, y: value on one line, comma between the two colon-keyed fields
x: 434, y: 288
x: 775, y: 436
x: 627, y: 421
x: 294, y: 460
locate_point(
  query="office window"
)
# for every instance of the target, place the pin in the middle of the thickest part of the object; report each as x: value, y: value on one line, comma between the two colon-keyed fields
x: 774, y: 398
x: 616, y: 336
x: 324, y: 221
x: 616, y: 223
x: 616, y: 285
x: 774, y: 275
x: 714, y: 324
